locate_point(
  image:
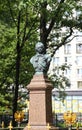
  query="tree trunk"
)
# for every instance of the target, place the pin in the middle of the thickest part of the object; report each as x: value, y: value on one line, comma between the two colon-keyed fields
x: 43, y: 30
x: 16, y: 85
x: 18, y: 59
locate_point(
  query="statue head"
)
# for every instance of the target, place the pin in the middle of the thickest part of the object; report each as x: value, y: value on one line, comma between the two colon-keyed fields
x: 40, y: 60
x: 40, y: 47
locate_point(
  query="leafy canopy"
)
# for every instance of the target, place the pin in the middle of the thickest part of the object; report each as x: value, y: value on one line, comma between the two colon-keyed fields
x: 22, y: 24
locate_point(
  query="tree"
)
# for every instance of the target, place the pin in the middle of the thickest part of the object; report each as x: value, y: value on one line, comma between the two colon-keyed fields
x: 26, y: 22
x: 54, y: 18
x: 14, y: 39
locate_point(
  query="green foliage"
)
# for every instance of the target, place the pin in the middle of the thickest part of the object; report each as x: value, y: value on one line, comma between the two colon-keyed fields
x: 59, y: 81
x: 8, y: 52
x: 22, y: 24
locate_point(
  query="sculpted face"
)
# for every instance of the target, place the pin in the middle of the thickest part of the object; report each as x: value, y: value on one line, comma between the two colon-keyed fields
x: 39, y: 47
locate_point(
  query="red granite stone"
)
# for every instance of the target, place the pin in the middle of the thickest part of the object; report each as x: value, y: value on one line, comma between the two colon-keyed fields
x: 40, y: 106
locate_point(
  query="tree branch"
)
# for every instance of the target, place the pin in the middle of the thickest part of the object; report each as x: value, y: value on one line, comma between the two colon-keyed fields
x: 11, y: 12
x: 43, y: 29
x: 28, y: 34
x: 54, y: 17
x: 24, y: 32
x: 64, y: 41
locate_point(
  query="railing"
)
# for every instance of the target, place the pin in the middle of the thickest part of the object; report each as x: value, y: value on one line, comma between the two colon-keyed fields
x: 10, y: 127
x: 14, y: 128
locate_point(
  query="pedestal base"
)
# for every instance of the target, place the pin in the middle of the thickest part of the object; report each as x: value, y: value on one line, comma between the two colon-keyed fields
x: 36, y: 128
x: 41, y: 128
x: 40, y: 105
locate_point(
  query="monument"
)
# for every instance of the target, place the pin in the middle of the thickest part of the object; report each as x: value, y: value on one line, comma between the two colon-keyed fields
x: 40, y: 88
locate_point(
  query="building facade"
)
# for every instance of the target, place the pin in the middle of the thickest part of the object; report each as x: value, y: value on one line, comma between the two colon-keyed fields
x: 71, y: 54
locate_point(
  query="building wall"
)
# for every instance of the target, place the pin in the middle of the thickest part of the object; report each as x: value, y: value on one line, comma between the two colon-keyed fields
x: 72, y: 55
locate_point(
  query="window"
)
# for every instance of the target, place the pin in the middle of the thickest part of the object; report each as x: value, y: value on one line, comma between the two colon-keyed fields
x: 67, y: 49
x: 57, y: 52
x: 79, y: 38
x: 79, y: 48
x: 79, y: 72
x: 67, y: 72
x: 56, y: 60
x: 79, y: 60
x: 68, y: 59
x: 79, y: 84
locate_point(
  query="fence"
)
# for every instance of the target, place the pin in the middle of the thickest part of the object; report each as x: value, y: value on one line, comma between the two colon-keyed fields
x: 58, y: 118
x: 15, y: 128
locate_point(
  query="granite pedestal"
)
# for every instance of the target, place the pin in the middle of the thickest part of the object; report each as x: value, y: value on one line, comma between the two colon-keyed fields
x: 40, y: 106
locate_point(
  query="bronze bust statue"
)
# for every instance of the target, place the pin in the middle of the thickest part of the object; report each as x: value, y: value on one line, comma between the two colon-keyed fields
x: 40, y: 61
